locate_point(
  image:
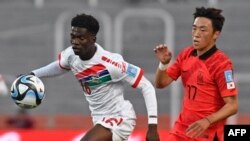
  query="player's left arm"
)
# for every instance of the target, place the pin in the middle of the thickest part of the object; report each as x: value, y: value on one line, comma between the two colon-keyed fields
x: 149, y: 95
x: 230, y: 108
x: 133, y: 75
x: 228, y: 91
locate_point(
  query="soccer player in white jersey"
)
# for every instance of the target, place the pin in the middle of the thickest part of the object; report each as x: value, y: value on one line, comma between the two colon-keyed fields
x: 102, y: 75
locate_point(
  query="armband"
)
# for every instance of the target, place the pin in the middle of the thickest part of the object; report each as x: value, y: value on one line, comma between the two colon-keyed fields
x: 162, y: 67
x: 152, y: 120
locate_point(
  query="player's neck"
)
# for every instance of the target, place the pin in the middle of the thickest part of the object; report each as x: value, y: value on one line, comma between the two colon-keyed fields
x: 202, y: 51
x: 88, y: 55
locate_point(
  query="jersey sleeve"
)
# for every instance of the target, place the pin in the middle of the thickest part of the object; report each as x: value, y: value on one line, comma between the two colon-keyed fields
x: 63, y: 58
x: 124, y: 71
x: 224, y: 78
x: 174, y: 70
x: 133, y: 74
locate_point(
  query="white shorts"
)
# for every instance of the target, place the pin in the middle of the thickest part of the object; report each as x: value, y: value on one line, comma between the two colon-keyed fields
x: 121, y: 127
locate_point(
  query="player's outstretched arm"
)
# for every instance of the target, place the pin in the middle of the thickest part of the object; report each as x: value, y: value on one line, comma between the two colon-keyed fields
x: 164, y: 55
x: 50, y: 70
x: 149, y: 95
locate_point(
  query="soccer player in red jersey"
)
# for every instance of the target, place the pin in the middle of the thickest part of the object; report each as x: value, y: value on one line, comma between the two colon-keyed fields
x: 210, y: 94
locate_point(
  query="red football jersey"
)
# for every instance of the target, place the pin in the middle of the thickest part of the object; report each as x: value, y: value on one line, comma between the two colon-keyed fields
x: 206, y: 80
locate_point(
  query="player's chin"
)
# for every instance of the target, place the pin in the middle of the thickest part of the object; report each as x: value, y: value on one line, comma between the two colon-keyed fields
x: 196, y: 46
x: 76, y: 51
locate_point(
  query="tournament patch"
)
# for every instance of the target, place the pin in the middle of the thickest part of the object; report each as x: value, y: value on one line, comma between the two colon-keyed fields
x: 132, y: 70
x: 230, y: 85
x: 228, y: 75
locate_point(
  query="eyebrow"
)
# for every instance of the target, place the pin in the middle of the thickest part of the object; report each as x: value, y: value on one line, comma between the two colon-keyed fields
x: 203, y: 26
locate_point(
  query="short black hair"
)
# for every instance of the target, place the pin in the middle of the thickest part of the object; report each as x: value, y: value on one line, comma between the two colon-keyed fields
x: 86, y: 21
x: 213, y: 14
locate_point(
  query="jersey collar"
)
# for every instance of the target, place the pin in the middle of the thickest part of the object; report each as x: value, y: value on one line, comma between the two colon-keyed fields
x: 206, y: 54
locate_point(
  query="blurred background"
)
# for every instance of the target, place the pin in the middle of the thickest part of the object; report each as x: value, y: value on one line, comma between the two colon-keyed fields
x: 33, y: 32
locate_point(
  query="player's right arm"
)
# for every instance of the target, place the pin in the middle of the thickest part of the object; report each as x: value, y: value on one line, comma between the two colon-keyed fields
x: 162, y: 79
x: 50, y: 70
x: 57, y: 67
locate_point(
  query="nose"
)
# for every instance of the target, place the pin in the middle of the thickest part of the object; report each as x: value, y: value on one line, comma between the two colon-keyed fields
x: 73, y: 41
x: 196, y: 33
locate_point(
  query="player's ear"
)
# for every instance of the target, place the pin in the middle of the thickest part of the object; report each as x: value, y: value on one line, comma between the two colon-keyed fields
x: 216, y: 34
x: 93, y: 39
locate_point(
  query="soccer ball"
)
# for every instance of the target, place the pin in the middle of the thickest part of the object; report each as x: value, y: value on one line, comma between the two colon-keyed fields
x: 27, y: 91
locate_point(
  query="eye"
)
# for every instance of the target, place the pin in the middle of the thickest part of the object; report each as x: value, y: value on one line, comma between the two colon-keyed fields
x: 77, y: 37
x: 203, y: 29
x: 81, y: 38
x: 72, y: 35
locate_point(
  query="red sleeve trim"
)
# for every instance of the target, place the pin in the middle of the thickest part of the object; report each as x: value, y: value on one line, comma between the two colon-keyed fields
x: 60, y: 65
x: 171, y: 75
x: 232, y: 92
x: 138, y: 78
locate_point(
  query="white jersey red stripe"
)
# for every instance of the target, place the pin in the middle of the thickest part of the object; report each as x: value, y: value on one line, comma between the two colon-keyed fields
x: 97, y: 77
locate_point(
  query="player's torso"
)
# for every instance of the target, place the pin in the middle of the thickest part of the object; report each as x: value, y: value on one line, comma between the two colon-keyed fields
x: 95, y: 78
x: 201, y: 94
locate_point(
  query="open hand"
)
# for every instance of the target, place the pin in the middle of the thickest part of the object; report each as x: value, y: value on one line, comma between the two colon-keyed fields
x: 197, y: 128
x: 163, y: 53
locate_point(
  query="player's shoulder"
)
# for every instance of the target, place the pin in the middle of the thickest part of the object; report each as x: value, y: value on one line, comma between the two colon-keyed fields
x: 67, y: 54
x: 221, y: 55
x: 186, y: 52
x: 218, y: 60
x: 107, y: 55
x: 113, y: 61
x: 188, y: 49
x: 68, y: 50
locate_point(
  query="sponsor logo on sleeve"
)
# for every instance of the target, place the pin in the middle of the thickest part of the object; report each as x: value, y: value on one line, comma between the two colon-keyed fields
x: 229, y: 79
x: 120, y: 65
x: 132, y: 70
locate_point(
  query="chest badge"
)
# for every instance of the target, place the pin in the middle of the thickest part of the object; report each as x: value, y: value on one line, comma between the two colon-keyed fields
x: 200, y: 79
x: 95, y: 79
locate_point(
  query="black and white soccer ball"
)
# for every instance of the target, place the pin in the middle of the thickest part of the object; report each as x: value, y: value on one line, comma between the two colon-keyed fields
x: 27, y: 91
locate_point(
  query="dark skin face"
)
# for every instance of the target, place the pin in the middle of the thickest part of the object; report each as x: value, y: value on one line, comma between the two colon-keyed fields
x: 83, y: 43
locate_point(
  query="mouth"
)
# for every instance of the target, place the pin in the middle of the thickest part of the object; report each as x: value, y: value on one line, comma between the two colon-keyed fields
x: 75, y: 48
x: 196, y: 42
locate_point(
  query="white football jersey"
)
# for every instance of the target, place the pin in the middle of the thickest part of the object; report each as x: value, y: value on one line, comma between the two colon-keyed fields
x: 102, y: 79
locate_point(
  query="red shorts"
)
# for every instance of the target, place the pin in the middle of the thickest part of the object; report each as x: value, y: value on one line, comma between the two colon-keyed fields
x: 177, y: 137
x: 179, y: 134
